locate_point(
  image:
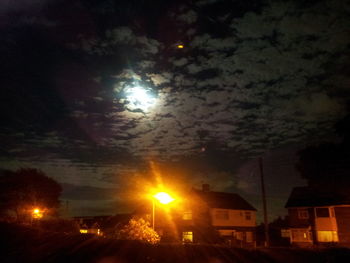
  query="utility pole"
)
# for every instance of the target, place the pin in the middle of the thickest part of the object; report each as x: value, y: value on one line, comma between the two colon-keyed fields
x: 266, y: 223
x: 153, y: 213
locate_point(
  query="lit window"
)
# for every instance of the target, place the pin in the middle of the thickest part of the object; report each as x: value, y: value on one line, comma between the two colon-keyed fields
x: 187, y: 215
x: 239, y: 235
x: 225, y: 232
x: 222, y: 215
x: 327, y: 236
x: 285, y: 233
x: 322, y: 212
x: 303, y: 214
x: 187, y: 237
x: 248, y: 216
x: 83, y: 231
x: 249, y: 237
x: 301, y: 235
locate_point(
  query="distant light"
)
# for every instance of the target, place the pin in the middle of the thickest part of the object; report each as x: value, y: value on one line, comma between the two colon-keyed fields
x: 163, y: 198
x: 37, y: 213
x: 83, y: 231
x: 180, y: 46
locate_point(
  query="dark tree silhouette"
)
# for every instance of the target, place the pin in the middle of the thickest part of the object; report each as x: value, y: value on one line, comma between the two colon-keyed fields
x: 26, y: 188
x: 327, y: 165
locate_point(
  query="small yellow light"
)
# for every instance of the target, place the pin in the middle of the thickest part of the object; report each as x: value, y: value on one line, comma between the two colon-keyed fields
x: 83, y: 231
x: 163, y: 198
x: 37, y: 213
x: 180, y: 46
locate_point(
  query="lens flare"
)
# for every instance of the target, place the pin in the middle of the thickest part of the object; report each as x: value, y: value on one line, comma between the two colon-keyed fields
x: 163, y: 198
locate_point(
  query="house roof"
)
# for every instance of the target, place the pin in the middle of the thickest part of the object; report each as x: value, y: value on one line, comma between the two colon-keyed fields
x: 223, y: 200
x: 102, y: 221
x: 309, y: 197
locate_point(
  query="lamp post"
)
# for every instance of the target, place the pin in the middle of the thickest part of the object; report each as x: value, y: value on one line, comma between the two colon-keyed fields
x: 163, y: 198
x: 36, y: 214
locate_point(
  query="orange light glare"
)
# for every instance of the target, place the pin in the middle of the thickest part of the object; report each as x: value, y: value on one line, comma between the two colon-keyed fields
x: 37, y: 213
x: 163, y: 198
x: 180, y: 46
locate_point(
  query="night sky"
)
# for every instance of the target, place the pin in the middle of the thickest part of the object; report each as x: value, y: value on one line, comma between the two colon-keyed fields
x: 254, y: 79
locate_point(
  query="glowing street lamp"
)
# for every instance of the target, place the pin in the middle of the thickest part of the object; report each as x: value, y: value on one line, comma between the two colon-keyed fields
x: 163, y: 198
x: 37, y: 213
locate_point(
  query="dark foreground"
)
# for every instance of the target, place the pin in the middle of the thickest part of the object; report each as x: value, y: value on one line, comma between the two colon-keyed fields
x: 20, y: 244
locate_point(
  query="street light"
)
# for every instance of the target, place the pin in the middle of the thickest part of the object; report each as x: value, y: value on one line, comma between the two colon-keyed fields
x: 37, y: 213
x: 163, y: 198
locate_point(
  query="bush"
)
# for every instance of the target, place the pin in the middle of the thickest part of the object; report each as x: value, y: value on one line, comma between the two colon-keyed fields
x: 138, y: 229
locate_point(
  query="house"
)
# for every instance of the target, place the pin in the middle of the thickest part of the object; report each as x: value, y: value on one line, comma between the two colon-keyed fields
x: 101, y: 225
x: 212, y: 217
x: 90, y: 224
x: 318, y: 217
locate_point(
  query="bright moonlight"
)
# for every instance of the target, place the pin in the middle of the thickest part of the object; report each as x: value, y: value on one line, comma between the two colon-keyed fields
x: 139, y: 98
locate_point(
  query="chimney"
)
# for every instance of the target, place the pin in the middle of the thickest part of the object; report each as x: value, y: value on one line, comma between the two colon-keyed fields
x: 205, y: 187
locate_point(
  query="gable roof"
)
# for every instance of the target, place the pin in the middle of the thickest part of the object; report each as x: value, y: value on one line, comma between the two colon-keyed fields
x: 309, y: 197
x: 223, y: 200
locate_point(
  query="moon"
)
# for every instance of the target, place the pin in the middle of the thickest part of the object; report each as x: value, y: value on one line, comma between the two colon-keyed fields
x: 140, y: 98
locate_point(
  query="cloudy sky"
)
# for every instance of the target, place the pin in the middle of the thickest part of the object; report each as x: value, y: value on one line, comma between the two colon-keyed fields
x: 254, y: 79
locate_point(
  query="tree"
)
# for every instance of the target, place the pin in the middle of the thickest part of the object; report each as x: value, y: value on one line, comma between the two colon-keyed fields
x: 327, y: 165
x: 28, y: 188
x: 275, y: 232
x: 138, y: 229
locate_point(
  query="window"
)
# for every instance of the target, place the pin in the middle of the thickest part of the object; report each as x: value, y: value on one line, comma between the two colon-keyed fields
x: 303, y: 214
x: 187, y: 215
x: 222, y: 215
x: 327, y: 236
x: 322, y: 212
x: 83, y: 231
x: 285, y: 233
x: 301, y: 235
x: 249, y: 237
x: 248, y: 216
x: 187, y: 237
x: 225, y: 232
x: 239, y: 235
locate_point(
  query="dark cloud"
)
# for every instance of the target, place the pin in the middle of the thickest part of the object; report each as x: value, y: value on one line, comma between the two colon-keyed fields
x: 79, y: 192
x: 253, y: 78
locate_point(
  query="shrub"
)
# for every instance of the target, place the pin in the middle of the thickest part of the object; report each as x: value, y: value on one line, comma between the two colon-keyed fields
x: 138, y: 229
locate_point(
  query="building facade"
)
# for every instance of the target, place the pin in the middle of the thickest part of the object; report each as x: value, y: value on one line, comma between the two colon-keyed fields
x: 212, y: 217
x: 317, y: 218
